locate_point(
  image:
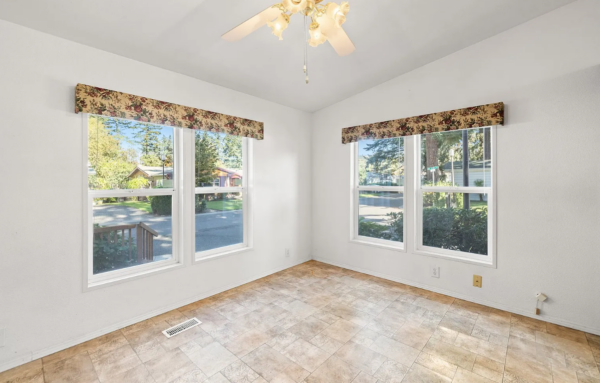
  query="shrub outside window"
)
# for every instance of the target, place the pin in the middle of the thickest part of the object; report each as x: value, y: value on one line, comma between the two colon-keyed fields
x: 379, y: 192
x: 454, y: 196
x: 132, y: 198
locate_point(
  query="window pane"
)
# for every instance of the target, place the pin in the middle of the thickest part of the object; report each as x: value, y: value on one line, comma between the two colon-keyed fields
x: 219, y: 220
x: 381, y: 215
x: 456, y: 221
x: 381, y: 162
x: 124, y: 154
x: 218, y: 160
x: 131, y: 231
x: 442, y: 158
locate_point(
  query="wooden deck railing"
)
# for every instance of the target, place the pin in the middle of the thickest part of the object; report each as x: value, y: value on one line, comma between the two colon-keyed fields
x: 144, y: 236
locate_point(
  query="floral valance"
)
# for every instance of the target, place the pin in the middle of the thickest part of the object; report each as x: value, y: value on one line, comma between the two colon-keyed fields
x: 474, y: 117
x: 91, y: 99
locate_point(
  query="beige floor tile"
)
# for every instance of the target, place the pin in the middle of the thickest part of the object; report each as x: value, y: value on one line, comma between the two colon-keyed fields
x: 239, y: 372
x: 138, y: 374
x: 172, y: 365
x: 306, y: 355
x: 432, y: 305
x: 173, y: 318
x: 481, y: 347
x: 77, y: 369
x: 217, y: 378
x: 415, y: 336
x: 421, y: 374
x: 327, y: 344
x: 395, y: 350
x: 270, y: 364
x: 116, y: 362
x: 437, y: 365
x: 361, y: 357
x: 533, y: 324
x: 391, y: 372
x: 450, y: 353
x: 567, y: 333
x: 334, y: 370
x: 300, y: 309
x: 342, y: 330
x: 489, y: 368
x: 527, y: 370
x: 562, y: 375
x: 212, y: 358
x: 26, y: 373
x: 247, y: 342
x: 349, y: 313
x: 363, y: 377
x: 458, y: 323
x: 282, y: 340
x: 308, y: 328
x: 365, y: 337
x: 493, y: 325
x: 464, y: 376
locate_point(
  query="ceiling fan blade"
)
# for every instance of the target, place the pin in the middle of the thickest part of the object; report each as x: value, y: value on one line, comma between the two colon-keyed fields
x: 252, y: 24
x: 336, y: 36
x: 340, y: 42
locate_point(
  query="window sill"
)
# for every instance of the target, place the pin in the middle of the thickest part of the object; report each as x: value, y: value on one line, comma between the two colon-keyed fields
x: 126, y: 278
x: 386, y: 246
x: 224, y: 254
x: 490, y: 264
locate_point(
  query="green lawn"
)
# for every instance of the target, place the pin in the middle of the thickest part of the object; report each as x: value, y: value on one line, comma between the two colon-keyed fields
x: 225, y: 204
x: 141, y: 205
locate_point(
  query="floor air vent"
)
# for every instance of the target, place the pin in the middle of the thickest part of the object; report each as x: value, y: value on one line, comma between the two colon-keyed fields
x: 181, y: 327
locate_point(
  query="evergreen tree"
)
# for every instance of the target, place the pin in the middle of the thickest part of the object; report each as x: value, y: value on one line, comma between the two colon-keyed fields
x: 232, y: 152
x: 147, y: 137
x: 207, y: 157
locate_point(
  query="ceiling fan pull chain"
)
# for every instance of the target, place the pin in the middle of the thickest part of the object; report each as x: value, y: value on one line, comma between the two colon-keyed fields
x: 306, y: 48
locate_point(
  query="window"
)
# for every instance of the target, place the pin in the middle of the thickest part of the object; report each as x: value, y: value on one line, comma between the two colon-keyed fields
x: 454, y: 196
x: 132, y: 198
x: 221, y: 194
x: 378, y: 212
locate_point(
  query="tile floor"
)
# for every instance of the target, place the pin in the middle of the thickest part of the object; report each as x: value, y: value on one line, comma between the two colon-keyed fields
x: 317, y: 323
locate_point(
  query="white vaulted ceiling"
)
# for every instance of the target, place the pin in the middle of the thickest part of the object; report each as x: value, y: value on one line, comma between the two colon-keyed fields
x: 392, y: 37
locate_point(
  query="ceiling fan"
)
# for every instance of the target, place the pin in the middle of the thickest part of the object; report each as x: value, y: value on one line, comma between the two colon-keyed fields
x: 321, y: 23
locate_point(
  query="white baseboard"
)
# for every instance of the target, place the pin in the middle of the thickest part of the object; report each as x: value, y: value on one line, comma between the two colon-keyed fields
x: 495, y: 305
x: 84, y: 338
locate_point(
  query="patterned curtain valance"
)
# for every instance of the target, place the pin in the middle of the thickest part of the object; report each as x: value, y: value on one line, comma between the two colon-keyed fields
x: 474, y: 117
x: 91, y: 99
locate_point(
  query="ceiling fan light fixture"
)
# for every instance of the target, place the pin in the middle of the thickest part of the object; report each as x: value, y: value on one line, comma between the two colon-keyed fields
x: 338, y: 13
x: 294, y: 6
x: 316, y: 35
x: 279, y: 25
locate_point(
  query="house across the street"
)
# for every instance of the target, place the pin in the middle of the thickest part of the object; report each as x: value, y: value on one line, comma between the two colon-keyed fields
x: 154, y: 174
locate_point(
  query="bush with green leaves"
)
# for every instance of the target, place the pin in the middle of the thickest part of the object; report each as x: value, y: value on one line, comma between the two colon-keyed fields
x: 456, y: 229
x: 200, y: 204
x: 392, y: 230
x: 444, y: 228
x: 111, y: 255
x: 161, y: 205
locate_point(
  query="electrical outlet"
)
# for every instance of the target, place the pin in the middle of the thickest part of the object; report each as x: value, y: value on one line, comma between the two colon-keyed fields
x: 435, y: 271
x: 477, y: 280
x: 1, y: 337
x: 287, y: 253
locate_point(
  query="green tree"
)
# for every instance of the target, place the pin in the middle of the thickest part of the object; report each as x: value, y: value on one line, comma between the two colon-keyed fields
x: 147, y: 137
x: 387, y: 156
x: 110, y: 162
x: 232, y: 151
x: 207, y: 157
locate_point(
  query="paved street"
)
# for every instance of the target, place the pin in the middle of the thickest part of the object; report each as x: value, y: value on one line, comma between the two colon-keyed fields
x: 213, y: 229
x: 374, y: 209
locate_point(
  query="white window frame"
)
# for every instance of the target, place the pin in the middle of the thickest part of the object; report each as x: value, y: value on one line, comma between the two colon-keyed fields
x: 245, y: 189
x: 92, y: 281
x: 484, y: 260
x: 356, y: 188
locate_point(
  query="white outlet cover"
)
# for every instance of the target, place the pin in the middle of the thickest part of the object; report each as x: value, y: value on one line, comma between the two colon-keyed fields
x: 435, y: 271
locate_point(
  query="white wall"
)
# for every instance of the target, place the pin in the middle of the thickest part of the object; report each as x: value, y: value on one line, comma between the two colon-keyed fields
x: 42, y: 305
x: 547, y: 71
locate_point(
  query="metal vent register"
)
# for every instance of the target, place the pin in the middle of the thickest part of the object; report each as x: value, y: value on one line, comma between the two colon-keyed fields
x: 181, y: 327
